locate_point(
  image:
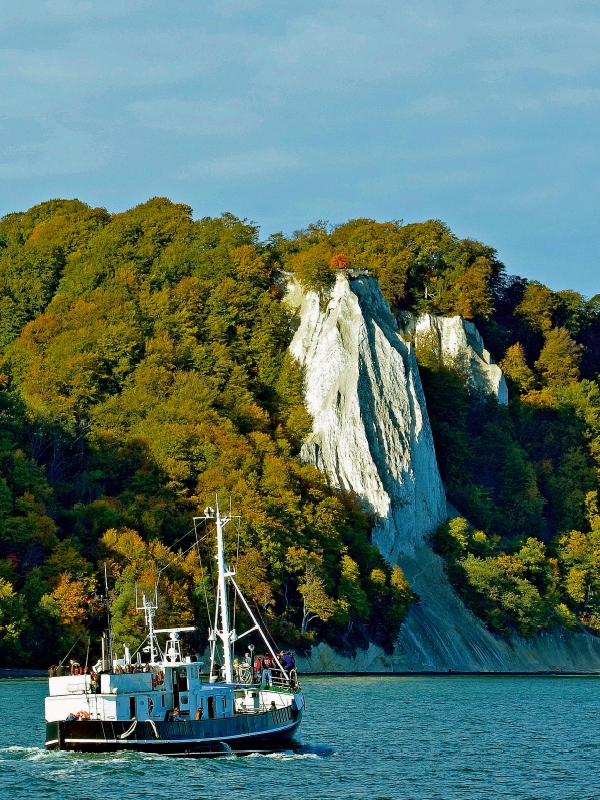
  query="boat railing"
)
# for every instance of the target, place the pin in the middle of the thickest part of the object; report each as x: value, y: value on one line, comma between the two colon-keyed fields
x: 278, y: 679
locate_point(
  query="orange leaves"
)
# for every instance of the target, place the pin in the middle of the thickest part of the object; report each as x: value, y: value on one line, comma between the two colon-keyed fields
x: 70, y: 601
x: 251, y: 576
x: 339, y: 261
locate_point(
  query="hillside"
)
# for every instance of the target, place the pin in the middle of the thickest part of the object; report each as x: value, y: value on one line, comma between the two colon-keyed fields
x: 145, y: 366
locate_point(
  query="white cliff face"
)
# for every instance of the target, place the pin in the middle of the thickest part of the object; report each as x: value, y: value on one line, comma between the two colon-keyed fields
x: 371, y: 433
x: 459, y: 342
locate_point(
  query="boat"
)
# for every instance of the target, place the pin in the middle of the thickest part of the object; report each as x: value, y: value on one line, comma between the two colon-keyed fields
x: 169, y: 704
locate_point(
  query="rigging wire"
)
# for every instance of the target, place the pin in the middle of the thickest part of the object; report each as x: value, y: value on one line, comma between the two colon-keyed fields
x: 237, y: 558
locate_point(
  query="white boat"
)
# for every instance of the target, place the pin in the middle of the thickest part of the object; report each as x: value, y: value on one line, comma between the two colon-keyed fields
x: 130, y: 706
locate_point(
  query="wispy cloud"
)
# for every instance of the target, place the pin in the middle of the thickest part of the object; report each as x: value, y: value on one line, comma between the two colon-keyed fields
x: 62, y: 151
x: 196, y: 117
x: 254, y: 163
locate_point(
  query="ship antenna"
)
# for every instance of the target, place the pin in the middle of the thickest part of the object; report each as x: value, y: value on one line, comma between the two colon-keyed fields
x: 110, y: 645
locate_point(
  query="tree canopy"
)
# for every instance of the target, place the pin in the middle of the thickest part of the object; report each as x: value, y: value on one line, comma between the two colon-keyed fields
x: 144, y: 367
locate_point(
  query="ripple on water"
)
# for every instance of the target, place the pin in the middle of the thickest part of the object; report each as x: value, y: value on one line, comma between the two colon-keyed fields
x: 378, y: 738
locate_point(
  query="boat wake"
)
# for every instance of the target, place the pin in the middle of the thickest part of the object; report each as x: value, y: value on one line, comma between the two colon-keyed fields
x: 299, y: 753
x: 17, y: 753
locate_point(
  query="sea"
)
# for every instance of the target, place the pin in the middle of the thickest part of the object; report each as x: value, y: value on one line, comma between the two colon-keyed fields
x: 369, y: 738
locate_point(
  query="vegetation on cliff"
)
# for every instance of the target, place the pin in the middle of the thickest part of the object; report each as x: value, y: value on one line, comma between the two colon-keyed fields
x: 144, y: 367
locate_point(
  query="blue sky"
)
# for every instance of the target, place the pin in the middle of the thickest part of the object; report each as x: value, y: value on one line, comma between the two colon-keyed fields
x: 483, y: 114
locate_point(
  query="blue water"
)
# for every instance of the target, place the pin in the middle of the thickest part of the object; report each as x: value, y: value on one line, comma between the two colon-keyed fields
x: 376, y: 737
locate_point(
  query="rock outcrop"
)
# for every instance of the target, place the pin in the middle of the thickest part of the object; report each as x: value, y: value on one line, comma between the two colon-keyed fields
x: 458, y: 341
x: 371, y: 432
x: 371, y: 435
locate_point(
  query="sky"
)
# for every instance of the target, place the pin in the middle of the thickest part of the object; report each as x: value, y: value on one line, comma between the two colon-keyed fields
x: 485, y: 115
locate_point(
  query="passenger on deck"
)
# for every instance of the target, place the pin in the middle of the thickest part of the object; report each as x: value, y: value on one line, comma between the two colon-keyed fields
x: 248, y: 659
x: 287, y: 661
x: 273, y: 706
x: 60, y: 671
x: 199, y: 713
x: 72, y: 717
x: 267, y: 674
x: 176, y: 716
x: 75, y: 666
x: 257, y: 667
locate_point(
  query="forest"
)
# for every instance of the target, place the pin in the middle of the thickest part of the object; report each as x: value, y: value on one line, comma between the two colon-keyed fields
x: 144, y: 368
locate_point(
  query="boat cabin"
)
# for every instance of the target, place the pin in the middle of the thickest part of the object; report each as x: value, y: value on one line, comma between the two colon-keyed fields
x: 146, y: 695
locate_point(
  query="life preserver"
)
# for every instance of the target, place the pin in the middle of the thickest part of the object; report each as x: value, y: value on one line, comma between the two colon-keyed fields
x: 150, y: 705
x: 83, y: 715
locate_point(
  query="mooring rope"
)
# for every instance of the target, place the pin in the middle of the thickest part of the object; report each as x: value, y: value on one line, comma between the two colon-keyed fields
x: 129, y: 730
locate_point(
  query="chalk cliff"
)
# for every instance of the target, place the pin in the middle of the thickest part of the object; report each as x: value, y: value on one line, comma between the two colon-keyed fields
x: 371, y: 435
x: 458, y: 341
x: 371, y: 432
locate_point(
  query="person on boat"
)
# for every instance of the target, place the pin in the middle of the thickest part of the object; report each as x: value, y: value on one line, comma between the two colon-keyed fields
x: 273, y: 706
x: 248, y: 659
x: 72, y: 717
x: 257, y: 667
x: 267, y: 674
x: 176, y: 716
x: 52, y: 671
x: 199, y: 713
x: 60, y: 671
x: 286, y: 661
x: 75, y: 666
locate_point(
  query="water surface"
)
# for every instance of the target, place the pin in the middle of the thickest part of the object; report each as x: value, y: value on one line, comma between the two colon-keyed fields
x: 381, y: 738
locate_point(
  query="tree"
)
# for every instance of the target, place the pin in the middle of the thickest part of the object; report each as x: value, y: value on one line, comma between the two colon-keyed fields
x: 251, y: 577
x: 559, y: 359
x: 537, y: 307
x: 514, y: 366
x: 316, y: 604
x: 353, y: 600
x: 313, y: 268
x: 474, y: 297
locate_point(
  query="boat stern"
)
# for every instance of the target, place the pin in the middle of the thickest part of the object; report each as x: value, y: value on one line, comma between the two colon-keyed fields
x: 53, y: 736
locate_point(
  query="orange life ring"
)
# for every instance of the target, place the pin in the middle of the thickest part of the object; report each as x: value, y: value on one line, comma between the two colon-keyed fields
x: 83, y: 715
x: 150, y: 705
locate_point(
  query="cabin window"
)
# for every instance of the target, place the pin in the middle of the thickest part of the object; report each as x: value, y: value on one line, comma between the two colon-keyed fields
x: 224, y: 702
x: 211, y: 707
x: 162, y: 697
x: 131, y: 707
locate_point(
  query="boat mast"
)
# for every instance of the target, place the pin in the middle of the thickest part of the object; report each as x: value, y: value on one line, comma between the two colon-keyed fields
x: 224, y: 633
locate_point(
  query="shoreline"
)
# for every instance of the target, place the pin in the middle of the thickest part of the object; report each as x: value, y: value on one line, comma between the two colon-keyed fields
x: 38, y: 674
x: 455, y: 673
x: 18, y: 673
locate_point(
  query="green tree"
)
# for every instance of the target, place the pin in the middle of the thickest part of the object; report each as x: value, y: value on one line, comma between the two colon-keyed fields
x: 514, y: 366
x: 559, y: 359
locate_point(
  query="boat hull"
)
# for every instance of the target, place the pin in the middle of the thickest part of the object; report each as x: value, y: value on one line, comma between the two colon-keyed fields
x: 272, y: 730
